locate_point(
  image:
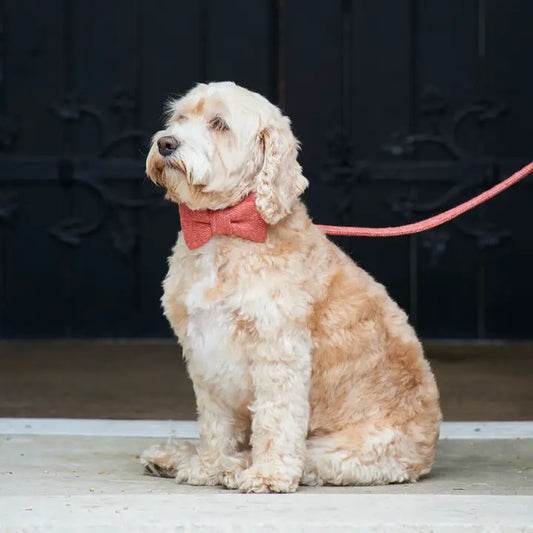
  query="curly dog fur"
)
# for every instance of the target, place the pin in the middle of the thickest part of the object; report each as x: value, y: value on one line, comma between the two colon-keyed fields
x: 305, y: 371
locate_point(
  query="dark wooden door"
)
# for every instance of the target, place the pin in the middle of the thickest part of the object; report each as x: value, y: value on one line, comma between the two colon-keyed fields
x: 404, y: 108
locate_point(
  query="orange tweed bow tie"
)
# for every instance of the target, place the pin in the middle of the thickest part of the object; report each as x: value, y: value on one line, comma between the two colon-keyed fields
x: 242, y: 220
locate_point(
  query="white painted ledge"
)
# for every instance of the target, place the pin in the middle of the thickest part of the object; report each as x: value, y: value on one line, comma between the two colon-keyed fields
x: 186, y: 429
x: 180, y: 429
x: 486, y: 430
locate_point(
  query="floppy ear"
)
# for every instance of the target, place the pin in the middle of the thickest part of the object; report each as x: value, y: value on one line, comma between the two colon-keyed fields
x: 280, y: 181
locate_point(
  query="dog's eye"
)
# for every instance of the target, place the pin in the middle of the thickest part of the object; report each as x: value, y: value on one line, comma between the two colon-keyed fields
x: 180, y: 117
x: 218, y: 124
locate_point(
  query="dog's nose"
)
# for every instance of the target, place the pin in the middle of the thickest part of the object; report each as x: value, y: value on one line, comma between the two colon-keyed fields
x: 167, y: 145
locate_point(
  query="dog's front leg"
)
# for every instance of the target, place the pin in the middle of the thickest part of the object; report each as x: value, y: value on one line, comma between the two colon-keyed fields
x: 213, y: 461
x: 216, y: 451
x: 280, y: 371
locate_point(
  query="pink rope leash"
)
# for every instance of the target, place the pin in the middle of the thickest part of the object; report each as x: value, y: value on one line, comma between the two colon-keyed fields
x: 434, y: 221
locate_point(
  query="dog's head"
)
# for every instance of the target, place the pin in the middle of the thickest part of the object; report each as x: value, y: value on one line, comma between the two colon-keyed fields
x: 222, y: 142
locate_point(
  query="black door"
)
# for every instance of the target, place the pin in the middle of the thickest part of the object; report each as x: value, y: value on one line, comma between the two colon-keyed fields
x: 404, y: 108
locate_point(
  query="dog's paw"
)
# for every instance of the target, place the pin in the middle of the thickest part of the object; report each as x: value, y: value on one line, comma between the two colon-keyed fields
x: 198, y: 471
x: 232, y: 469
x: 164, y: 460
x: 264, y: 478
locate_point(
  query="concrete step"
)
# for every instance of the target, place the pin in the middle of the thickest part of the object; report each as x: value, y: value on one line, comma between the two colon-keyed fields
x: 78, y: 475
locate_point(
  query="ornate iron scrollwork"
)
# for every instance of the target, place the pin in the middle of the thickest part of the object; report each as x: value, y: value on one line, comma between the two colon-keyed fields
x: 435, y: 242
x: 8, y: 207
x: 123, y: 106
x: 9, y: 132
x: 342, y: 173
x: 443, y: 130
x: 113, y: 209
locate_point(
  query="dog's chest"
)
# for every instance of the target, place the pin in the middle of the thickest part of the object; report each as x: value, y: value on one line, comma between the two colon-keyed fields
x: 214, y: 356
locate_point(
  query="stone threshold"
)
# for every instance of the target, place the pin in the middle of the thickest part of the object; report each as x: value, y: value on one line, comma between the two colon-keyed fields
x: 84, y: 475
x: 299, y: 512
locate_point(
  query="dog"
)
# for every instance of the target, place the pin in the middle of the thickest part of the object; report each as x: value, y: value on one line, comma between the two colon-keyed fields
x: 305, y: 371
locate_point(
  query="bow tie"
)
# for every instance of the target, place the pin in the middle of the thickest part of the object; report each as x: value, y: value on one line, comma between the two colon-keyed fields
x: 242, y: 220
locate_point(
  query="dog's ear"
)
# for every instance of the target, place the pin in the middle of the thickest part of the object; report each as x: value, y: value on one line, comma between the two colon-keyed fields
x: 280, y: 181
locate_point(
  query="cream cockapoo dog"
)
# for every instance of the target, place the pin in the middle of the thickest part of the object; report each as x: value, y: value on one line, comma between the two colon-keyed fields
x: 305, y: 371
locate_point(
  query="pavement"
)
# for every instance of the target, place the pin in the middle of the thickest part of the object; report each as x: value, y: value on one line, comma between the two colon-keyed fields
x: 76, y: 475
